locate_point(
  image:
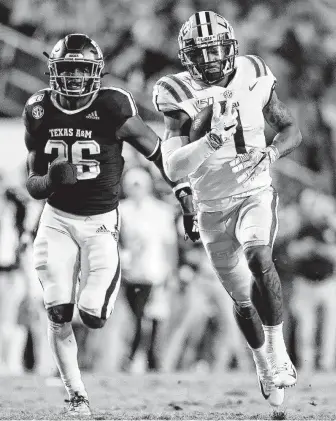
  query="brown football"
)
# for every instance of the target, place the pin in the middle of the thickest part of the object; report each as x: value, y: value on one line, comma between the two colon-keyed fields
x: 202, y: 122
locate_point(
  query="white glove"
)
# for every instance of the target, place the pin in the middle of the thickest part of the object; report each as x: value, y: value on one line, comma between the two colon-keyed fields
x: 253, y: 163
x: 223, y: 125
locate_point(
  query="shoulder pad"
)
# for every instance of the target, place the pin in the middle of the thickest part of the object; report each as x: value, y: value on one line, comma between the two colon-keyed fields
x: 169, y: 92
x: 119, y: 97
x: 256, y: 67
x: 39, y: 96
x: 33, y: 111
x: 267, y: 86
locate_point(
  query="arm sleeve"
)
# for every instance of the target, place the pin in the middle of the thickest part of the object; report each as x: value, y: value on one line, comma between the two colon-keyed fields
x: 181, y: 160
x: 37, y: 184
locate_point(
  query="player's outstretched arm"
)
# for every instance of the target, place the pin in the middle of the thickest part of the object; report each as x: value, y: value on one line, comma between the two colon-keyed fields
x: 279, y: 117
x: 138, y: 134
x: 180, y: 158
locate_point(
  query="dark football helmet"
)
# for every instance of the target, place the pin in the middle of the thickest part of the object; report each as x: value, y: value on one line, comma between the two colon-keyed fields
x: 75, y: 66
x: 208, y: 47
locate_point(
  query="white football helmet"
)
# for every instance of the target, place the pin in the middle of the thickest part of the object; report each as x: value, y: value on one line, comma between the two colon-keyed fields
x: 208, y: 47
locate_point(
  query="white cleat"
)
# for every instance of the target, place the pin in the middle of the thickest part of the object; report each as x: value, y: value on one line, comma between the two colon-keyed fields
x: 284, y: 373
x: 79, y: 406
x: 273, y: 395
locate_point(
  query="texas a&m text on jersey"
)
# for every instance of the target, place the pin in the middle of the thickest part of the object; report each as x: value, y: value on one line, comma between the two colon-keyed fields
x: 88, y: 138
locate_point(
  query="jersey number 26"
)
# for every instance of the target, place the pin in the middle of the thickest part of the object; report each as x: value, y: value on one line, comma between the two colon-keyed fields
x: 86, y: 168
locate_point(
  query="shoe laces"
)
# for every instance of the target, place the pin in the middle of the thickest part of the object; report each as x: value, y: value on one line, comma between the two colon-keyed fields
x: 280, y: 367
x: 77, y: 400
x: 265, y: 375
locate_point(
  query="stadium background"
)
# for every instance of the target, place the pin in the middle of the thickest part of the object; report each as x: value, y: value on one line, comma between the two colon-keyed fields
x: 297, y: 39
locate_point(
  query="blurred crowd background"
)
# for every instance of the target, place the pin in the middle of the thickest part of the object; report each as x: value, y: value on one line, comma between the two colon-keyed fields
x: 172, y: 313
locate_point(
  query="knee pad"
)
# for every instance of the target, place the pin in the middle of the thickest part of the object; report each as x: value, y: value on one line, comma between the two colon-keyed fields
x: 90, y: 321
x: 244, y: 309
x: 259, y: 259
x: 61, y: 314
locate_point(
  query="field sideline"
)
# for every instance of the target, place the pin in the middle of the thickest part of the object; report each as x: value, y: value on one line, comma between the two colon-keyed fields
x: 170, y: 397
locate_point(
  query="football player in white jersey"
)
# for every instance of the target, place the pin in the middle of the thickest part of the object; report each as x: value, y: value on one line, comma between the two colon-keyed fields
x: 228, y: 168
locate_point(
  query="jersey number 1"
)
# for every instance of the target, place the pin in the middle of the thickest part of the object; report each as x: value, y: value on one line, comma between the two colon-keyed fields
x: 239, y: 137
x: 86, y: 168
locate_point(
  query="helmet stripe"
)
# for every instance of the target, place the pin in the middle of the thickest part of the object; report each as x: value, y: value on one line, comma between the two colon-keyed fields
x: 198, y: 24
x: 207, y: 17
x: 204, y: 25
x: 255, y: 64
x: 184, y: 88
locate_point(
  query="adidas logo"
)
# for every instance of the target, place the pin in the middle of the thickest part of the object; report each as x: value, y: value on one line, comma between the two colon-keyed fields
x: 93, y: 116
x: 182, y: 193
x: 102, y: 229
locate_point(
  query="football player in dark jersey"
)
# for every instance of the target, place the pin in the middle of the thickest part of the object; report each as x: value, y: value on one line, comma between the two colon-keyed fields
x: 74, y: 135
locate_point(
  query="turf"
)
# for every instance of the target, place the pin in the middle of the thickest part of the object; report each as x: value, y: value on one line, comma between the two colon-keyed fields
x: 181, y: 396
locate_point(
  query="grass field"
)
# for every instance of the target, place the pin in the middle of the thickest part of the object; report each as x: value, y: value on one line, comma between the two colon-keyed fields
x: 170, y: 397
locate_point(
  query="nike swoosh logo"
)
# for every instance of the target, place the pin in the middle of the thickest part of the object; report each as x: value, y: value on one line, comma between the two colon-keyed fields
x: 293, y: 374
x: 266, y: 396
x: 252, y: 87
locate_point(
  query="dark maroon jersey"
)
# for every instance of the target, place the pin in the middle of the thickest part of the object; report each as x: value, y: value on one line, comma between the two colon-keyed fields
x: 87, y: 138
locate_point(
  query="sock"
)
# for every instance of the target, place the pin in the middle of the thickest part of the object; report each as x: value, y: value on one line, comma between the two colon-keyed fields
x: 260, y: 356
x: 64, y: 348
x: 274, y: 340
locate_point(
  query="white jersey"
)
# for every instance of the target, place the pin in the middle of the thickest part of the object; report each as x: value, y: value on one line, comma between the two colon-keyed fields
x: 250, y: 90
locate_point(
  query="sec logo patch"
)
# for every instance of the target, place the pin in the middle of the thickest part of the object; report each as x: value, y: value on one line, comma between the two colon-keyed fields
x: 37, y: 112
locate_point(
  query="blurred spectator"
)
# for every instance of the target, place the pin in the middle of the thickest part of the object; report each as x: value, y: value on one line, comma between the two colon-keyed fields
x: 203, y: 330
x: 149, y: 259
x: 313, y: 254
x: 12, y: 287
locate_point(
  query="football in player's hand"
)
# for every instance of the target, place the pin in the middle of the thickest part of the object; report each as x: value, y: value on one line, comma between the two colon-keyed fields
x: 202, y: 122
x: 62, y: 173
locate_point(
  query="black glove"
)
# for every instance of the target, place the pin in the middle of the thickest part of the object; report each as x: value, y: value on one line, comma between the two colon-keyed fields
x: 190, y: 227
x: 62, y: 173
